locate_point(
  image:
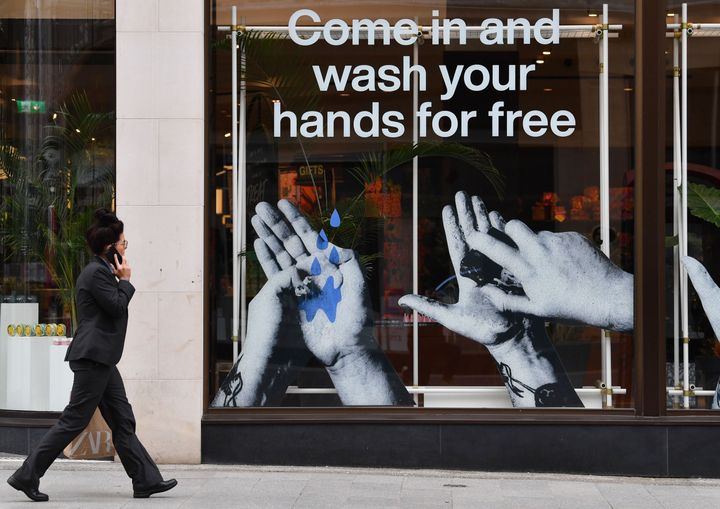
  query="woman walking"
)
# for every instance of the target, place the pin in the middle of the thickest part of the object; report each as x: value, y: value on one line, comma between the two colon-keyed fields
x: 103, y: 292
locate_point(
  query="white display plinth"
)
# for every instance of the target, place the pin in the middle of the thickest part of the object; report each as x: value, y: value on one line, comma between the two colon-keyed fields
x: 12, y: 313
x: 27, y: 373
x: 60, y: 376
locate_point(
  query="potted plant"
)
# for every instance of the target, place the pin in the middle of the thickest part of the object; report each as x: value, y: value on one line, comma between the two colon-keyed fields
x: 49, y: 198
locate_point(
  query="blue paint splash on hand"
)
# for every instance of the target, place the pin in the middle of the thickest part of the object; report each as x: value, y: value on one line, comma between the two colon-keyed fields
x: 327, y: 300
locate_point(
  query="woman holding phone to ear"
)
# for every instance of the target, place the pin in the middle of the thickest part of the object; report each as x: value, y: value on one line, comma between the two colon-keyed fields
x: 103, y: 292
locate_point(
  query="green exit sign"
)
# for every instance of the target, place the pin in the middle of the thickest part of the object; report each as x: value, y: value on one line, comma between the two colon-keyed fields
x: 27, y: 106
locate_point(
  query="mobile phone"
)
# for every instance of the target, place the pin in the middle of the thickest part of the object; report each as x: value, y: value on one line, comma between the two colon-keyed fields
x: 110, y: 256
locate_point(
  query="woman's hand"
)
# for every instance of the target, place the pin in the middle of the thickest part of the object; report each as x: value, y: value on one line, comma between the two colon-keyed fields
x: 122, y: 269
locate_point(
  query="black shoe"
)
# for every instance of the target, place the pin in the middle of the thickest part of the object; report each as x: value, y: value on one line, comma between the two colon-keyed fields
x: 32, y: 493
x: 158, y: 488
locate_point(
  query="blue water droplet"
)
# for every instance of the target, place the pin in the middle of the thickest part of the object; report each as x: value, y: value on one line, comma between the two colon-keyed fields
x: 335, y: 219
x: 315, y: 268
x: 322, y: 240
x: 334, y: 256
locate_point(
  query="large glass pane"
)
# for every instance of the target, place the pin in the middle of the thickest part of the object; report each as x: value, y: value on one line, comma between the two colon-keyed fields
x: 693, y: 363
x: 476, y: 334
x: 57, y: 157
x: 552, y: 184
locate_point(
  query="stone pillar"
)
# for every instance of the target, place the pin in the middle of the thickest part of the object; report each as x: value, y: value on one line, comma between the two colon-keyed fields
x: 160, y: 163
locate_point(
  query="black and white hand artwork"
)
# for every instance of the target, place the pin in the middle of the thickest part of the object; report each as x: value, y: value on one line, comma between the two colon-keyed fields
x: 273, y: 348
x: 510, y: 280
x: 709, y: 294
x: 529, y: 364
x: 564, y: 277
x: 328, y: 305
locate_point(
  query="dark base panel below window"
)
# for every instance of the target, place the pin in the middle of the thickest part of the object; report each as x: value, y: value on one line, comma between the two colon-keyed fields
x: 636, y: 450
x: 20, y: 439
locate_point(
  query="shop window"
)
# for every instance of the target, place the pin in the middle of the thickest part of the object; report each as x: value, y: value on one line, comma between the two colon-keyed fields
x: 429, y: 311
x: 692, y: 205
x: 57, y: 165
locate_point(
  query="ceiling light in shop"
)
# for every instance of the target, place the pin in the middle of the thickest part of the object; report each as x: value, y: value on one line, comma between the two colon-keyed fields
x: 593, y: 14
x: 546, y: 52
x: 628, y: 89
x: 77, y: 131
x: 547, y: 89
x: 539, y: 61
x: 227, y: 135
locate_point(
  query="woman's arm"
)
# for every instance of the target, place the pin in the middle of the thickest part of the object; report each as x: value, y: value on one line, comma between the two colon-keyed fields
x: 113, y: 297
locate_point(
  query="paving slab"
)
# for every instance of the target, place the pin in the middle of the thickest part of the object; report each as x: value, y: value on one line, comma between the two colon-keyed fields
x: 104, y: 485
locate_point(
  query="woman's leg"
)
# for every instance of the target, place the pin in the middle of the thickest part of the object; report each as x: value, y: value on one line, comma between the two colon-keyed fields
x: 88, y: 387
x: 118, y: 414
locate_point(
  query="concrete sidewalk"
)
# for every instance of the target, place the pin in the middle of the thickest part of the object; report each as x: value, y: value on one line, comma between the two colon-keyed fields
x: 105, y: 485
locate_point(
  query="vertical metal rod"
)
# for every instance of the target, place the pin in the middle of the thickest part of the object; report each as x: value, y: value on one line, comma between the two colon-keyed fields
x: 606, y: 345
x: 601, y: 132
x: 676, y: 213
x: 242, y: 202
x: 415, y: 222
x: 683, y: 208
x: 234, y: 131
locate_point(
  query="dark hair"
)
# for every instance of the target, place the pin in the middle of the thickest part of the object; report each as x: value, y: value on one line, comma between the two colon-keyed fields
x: 105, y: 230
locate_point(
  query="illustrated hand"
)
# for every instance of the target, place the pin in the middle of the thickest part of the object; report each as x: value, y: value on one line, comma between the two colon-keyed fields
x: 709, y: 294
x: 331, y: 290
x: 273, y: 345
x: 564, y: 277
x: 331, y: 305
x: 706, y: 289
x: 526, y: 359
x: 474, y: 315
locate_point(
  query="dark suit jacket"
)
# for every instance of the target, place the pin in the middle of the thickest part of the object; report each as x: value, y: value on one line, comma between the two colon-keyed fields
x: 102, y: 308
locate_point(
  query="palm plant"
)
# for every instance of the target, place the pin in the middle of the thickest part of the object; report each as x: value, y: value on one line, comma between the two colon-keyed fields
x: 51, y: 197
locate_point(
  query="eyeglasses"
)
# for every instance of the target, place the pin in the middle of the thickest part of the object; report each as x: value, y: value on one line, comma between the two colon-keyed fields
x: 124, y: 243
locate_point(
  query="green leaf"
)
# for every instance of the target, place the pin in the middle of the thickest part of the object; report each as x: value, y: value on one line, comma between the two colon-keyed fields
x: 671, y: 241
x: 704, y: 202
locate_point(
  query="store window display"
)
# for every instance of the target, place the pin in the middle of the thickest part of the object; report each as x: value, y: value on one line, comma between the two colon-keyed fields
x: 57, y: 142
x: 692, y: 172
x: 447, y: 320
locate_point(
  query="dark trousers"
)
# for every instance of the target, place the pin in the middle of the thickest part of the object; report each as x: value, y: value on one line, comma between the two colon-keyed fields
x: 95, y: 385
